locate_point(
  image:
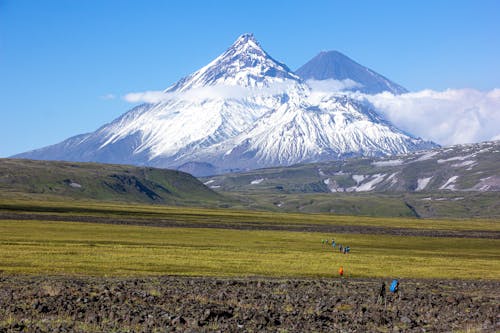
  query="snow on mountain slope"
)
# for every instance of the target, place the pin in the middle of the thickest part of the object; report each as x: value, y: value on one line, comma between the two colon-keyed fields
x: 336, y: 128
x: 244, y: 64
x: 242, y: 111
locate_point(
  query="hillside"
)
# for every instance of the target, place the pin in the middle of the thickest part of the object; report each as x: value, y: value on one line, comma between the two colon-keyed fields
x: 460, y: 181
x: 108, y: 182
x: 474, y: 167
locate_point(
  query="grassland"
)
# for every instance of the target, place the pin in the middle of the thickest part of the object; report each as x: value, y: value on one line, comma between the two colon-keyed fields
x: 298, y: 189
x: 200, y: 216
x: 41, y: 247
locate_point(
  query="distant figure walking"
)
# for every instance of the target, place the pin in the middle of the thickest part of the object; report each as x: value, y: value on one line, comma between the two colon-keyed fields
x: 341, y: 271
x: 340, y: 248
x: 333, y: 243
x: 381, y: 294
x: 394, y: 288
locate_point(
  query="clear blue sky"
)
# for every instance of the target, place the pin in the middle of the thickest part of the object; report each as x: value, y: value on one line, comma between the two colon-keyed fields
x: 58, y: 59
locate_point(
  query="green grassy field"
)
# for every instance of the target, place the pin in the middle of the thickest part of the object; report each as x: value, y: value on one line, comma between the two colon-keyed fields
x: 234, y: 217
x: 37, y: 247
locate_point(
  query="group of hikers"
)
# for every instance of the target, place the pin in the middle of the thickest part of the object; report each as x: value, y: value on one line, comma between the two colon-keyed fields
x: 393, y: 288
x: 342, y: 249
x: 381, y: 297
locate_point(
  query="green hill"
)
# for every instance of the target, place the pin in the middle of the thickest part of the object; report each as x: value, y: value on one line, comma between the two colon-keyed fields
x: 459, y: 181
x: 105, y: 182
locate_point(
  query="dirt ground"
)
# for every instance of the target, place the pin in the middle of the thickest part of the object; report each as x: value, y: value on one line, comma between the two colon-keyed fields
x: 187, y: 304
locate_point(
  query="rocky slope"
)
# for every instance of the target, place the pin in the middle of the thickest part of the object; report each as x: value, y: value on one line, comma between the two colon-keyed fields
x: 176, y: 304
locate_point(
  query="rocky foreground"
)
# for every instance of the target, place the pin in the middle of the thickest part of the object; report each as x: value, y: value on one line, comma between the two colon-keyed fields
x: 166, y: 304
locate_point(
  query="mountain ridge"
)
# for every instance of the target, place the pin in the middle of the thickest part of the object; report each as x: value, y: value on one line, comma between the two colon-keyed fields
x: 241, y: 111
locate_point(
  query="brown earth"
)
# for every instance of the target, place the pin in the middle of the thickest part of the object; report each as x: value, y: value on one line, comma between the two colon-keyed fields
x: 186, y: 304
x: 161, y: 222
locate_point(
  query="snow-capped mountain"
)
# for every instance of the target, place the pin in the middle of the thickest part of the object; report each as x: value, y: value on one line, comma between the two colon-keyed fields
x: 337, y: 66
x: 241, y: 111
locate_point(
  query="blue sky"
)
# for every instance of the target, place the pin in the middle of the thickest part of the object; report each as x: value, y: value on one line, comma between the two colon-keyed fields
x: 61, y: 61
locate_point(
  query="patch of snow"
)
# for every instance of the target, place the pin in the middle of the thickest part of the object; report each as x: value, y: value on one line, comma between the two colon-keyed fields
x: 426, y: 156
x: 257, y: 181
x: 75, y: 185
x: 488, y: 184
x: 464, y: 164
x: 326, y: 181
x: 422, y: 183
x: 215, y: 186
x: 456, y: 158
x: 393, y: 178
x: 426, y: 199
x: 449, y: 185
x: 388, y: 163
x: 209, y: 182
x: 358, y: 178
x: 321, y: 173
x: 368, y: 186
x: 484, y: 150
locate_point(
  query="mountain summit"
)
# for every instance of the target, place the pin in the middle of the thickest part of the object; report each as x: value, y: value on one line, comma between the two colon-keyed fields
x: 244, y: 64
x: 337, y: 66
x: 244, y: 110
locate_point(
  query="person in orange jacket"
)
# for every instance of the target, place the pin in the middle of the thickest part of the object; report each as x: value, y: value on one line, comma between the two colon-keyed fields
x: 341, y: 271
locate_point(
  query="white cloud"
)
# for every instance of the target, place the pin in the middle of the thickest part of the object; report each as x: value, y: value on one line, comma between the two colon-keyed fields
x: 145, y: 97
x: 447, y: 117
x: 211, y: 92
x: 331, y: 85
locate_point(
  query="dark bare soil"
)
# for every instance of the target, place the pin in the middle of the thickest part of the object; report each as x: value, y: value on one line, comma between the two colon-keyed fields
x: 166, y: 223
x: 166, y: 304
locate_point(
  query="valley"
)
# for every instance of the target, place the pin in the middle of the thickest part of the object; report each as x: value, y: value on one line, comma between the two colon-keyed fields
x: 82, y: 266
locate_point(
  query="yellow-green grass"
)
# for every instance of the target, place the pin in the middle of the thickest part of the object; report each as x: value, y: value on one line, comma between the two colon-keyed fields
x: 37, y: 247
x: 224, y: 216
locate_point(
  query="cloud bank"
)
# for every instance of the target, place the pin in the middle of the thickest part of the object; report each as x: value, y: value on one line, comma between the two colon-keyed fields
x: 332, y: 85
x: 211, y: 92
x: 447, y: 117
